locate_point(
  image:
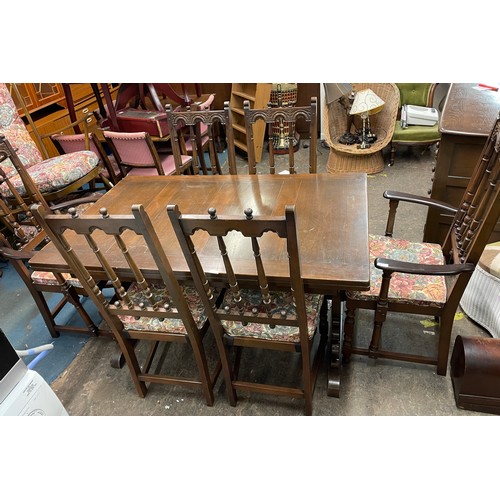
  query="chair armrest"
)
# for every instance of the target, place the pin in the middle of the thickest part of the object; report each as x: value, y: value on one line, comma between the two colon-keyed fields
x: 11, y: 253
x: 395, y: 197
x: 396, y: 266
x: 421, y: 200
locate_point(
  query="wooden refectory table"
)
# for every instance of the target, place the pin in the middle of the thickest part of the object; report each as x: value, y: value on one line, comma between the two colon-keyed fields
x: 332, y: 219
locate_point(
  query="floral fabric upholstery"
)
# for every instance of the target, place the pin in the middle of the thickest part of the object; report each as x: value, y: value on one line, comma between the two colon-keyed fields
x: 160, y: 294
x: 13, y: 128
x: 279, y: 301
x: 55, y: 173
x: 47, y: 278
x: 49, y: 175
x: 408, y: 288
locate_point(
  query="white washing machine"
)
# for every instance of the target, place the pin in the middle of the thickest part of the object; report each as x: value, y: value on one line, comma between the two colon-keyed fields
x: 24, y: 392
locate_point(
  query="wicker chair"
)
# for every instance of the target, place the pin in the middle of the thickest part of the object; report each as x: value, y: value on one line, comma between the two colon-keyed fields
x: 348, y: 158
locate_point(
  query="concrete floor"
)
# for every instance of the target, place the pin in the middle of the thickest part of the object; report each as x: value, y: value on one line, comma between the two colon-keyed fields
x: 90, y: 386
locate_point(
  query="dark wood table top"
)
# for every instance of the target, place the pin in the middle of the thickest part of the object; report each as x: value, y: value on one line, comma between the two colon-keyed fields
x: 469, y: 110
x: 332, y: 218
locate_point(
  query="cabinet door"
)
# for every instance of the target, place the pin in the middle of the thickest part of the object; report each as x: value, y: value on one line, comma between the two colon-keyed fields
x: 36, y: 95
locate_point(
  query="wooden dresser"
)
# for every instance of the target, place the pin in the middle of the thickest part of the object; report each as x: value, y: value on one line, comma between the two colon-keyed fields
x: 466, y: 121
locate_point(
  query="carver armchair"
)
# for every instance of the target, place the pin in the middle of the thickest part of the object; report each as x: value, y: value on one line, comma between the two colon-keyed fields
x: 427, y: 278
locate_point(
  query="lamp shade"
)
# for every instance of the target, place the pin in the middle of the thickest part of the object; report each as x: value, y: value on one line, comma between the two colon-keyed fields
x: 366, y: 101
x: 334, y: 91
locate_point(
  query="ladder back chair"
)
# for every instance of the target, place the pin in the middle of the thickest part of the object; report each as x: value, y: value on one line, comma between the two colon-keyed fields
x: 427, y: 278
x: 55, y: 177
x: 136, y: 154
x: 26, y: 237
x: 252, y: 314
x: 286, y: 116
x: 158, y: 311
x: 194, y: 120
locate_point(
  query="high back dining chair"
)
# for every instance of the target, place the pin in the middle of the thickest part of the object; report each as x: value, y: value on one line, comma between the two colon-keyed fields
x: 427, y: 278
x: 158, y: 311
x: 136, y: 154
x: 336, y: 120
x: 54, y: 177
x: 418, y: 94
x: 253, y: 314
x: 25, y: 239
x: 193, y: 121
x: 286, y: 116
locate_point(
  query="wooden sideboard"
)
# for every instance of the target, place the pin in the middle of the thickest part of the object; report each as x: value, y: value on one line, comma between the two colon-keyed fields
x: 466, y: 121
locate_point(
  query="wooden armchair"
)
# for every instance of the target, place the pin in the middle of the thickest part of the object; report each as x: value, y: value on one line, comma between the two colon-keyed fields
x: 27, y: 237
x: 286, y: 116
x: 56, y: 177
x: 253, y: 315
x: 348, y: 157
x: 427, y: 278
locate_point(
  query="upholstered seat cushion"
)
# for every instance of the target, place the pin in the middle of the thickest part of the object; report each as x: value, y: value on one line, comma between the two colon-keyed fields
x: 414, y: 288
x: 416, y: 133
x: 47, y: 278
x: 55, y: 173
x: 280, y: 301
x: 161, y: 295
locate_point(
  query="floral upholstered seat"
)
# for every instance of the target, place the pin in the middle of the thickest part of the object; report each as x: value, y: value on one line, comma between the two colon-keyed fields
x: 55, y: 173
x: 280, y: 302
x: 49, y: 175
x: 161, y: 295
x: 408, y: 288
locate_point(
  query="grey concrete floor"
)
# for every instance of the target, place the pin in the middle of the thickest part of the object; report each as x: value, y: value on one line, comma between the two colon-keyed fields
x: 90, y: 386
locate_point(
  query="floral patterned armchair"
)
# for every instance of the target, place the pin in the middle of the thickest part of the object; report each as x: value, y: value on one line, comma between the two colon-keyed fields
x: 54, y: 177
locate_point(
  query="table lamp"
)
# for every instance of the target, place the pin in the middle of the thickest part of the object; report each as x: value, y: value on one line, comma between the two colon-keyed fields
x: 343, y: 93
x: 366, y: 103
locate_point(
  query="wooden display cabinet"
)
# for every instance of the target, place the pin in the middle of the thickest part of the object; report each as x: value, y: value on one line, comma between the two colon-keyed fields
x: 466, y: 121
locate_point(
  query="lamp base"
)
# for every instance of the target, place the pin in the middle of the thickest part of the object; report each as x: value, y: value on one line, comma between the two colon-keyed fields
x: 280, y: 144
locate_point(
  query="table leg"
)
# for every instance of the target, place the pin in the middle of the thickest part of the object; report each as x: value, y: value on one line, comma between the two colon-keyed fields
x: 334, y: 346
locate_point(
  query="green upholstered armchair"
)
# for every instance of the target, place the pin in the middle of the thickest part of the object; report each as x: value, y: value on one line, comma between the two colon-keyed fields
x: 418, y: 94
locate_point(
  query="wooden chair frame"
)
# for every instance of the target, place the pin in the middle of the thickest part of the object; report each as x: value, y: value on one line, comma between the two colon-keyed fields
x: 252, y: 228
x: 286, y: 115
x: 111, y: 228
x: 211, y: 118
x: 472, y: 226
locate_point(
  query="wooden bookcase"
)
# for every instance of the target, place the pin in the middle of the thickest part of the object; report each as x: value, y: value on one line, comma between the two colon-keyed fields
x: 259, y: 95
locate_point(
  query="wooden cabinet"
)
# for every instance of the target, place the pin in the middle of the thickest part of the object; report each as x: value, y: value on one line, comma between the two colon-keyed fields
x: 36, y: 95
x: 258, y: 94
x: 56, y: 116
x: 466, y: 121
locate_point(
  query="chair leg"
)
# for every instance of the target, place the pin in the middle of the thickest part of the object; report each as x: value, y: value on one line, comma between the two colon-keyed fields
x: 393, y: 154
x: 307, y: 382
x: 127, y: 347
x: 380, y: 315
x: 204, y: 374
x: 445, y: 328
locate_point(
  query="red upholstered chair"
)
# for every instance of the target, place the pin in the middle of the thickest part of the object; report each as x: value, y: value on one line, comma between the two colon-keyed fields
x: 72, y: 143
x: 136, y: 154
x: 54, y: 177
